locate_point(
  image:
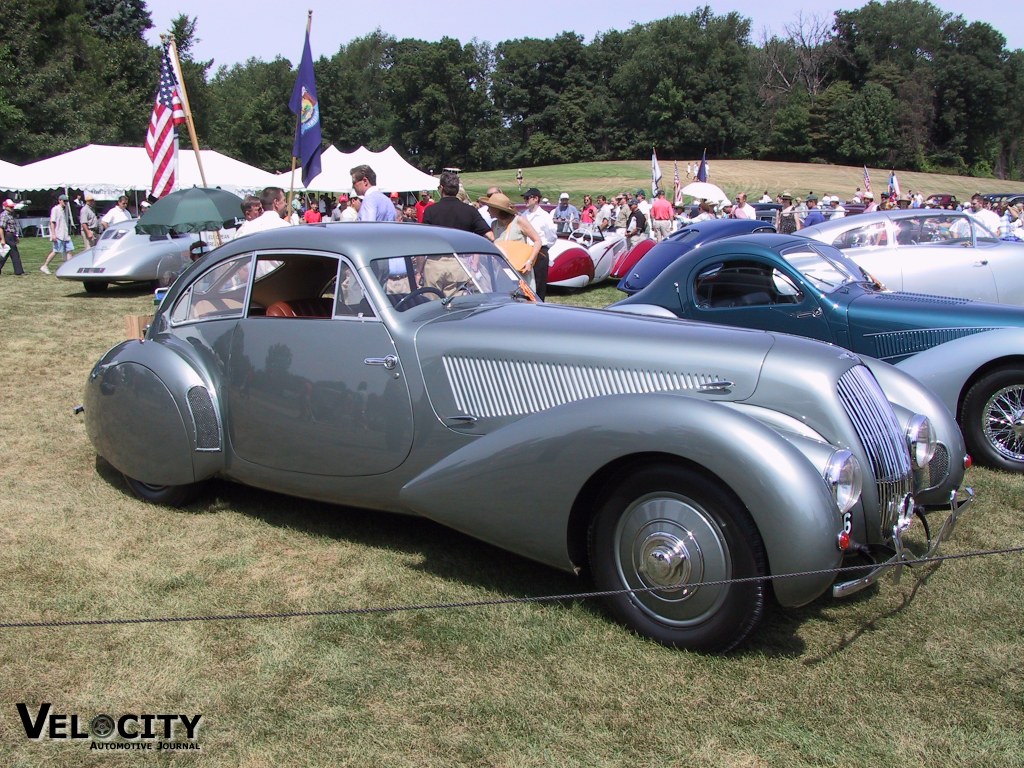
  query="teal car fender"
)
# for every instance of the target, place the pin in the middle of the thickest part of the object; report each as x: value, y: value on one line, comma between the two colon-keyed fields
x: 543, y: 461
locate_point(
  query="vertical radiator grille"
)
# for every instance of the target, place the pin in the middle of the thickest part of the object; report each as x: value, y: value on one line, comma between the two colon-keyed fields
x: 204, y: 415
x: 882, y: 437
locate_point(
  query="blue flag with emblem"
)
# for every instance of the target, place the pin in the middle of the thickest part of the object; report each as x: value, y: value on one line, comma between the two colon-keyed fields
x: 306, y: 107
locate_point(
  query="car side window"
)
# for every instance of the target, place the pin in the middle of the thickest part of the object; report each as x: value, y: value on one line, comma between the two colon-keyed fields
x: 743, y: 284
x: 862, y: 237
x: 218, y: 293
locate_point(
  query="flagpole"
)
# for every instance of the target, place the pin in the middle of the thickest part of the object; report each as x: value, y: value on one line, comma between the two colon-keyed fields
x: 298, y: 122
x: 184, y: 103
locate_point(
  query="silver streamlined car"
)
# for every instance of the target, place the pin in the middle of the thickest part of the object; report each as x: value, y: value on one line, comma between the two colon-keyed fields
x: 945, y: 253
x: 406, y: 368
x: 123, y: 255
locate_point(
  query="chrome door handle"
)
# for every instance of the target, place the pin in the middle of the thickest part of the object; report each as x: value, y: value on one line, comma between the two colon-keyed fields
x: 390, y: 362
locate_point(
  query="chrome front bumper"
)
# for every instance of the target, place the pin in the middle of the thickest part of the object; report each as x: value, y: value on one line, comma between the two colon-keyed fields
x: 901, y: 555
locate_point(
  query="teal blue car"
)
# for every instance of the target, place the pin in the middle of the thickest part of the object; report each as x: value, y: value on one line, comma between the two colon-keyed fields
x: 970, y: 353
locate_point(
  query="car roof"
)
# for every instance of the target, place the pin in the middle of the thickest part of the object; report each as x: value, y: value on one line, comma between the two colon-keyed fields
x: 864, y: 219
x: 362, y: 241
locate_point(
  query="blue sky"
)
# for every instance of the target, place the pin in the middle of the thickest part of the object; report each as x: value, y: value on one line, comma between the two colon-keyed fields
x: 231, y: 32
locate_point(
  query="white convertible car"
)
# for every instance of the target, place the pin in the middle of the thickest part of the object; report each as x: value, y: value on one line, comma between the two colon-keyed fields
x: 930, y: 251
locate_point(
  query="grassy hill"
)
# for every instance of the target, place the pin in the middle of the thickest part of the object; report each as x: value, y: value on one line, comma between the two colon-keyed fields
x: 733, y: 176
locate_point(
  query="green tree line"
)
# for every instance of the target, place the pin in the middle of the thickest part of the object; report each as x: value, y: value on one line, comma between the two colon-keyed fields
x: 900, y: 83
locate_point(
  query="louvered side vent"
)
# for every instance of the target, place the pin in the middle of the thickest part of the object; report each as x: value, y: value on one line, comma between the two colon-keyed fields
x: 495, y: 388
x: 926, y: 298
x: 204, y: 416
x: 882, y: 437
x: 899, y: 343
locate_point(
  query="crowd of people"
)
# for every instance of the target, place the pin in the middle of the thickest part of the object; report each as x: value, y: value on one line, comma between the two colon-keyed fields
x: 535, y: 223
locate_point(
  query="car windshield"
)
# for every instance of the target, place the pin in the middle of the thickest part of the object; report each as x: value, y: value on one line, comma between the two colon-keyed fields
x: 824, y: 272
x: 412, y: 280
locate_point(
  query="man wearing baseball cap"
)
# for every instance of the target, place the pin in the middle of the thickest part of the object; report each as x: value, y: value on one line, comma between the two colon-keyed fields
x: 566, y: 216
x: 9, y: 238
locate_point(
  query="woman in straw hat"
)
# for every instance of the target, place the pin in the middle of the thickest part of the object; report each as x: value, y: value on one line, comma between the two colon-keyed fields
x: 510, y: 227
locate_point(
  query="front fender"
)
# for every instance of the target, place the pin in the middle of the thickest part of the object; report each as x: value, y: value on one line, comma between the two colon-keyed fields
x: 909, y: 396
x: 947, y: 368
x: 516, y: 487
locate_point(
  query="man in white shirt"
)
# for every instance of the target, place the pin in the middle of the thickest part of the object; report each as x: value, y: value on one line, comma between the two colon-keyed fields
x: 836, y: 209
x: 988, y: 218
x: 275, y: 207
x: 116, y: 214
x: 542, y: 222
x: 743, y: 209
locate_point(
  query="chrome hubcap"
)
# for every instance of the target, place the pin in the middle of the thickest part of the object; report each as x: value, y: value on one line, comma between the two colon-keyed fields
x: 1004, y: 422
x: 668, y: 544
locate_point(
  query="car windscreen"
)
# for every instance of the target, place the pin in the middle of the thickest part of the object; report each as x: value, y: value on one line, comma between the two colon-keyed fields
x: 823, y: 266
x: 411, y: 280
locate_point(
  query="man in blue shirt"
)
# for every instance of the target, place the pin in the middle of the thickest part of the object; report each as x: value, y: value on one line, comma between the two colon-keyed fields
x: 376, y: 205
x: 814, y: 214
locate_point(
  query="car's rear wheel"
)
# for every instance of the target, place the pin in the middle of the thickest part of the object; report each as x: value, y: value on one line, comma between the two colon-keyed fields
x: 94, y: 286
x: 992, y: 419
x: 663, y: 531
x: 167, y: 495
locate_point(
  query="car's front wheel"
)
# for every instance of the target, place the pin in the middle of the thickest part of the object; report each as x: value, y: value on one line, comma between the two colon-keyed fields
x: 94, y: 286
x: 167, y: 495
x: 992, y: 419
x: 664, y: 531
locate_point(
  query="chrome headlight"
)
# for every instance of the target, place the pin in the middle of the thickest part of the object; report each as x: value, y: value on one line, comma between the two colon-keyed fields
x: 921, y: 440
x: 845, y: 478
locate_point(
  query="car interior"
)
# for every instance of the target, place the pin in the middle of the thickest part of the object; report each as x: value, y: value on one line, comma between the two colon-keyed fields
x: 743, y: 284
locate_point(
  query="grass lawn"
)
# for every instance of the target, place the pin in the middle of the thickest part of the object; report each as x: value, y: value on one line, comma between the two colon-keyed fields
x: 733, y: 176
x: 929, y: 672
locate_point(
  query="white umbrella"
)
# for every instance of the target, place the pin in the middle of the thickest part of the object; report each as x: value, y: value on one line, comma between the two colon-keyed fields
x: 705, y: 191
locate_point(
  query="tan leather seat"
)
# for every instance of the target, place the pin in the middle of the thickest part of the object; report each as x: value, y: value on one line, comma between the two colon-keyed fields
x: 301, y: 308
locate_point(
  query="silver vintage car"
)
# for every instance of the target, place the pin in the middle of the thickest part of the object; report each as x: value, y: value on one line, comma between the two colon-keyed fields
x: 124, y: 255
x: 407, y: 368
x: 944, y: 253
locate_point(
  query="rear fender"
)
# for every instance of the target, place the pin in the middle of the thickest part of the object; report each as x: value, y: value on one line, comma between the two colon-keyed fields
x: 150, y: 413
x: 571, y: 263
x: 516, y: 486
x: 631, y: 258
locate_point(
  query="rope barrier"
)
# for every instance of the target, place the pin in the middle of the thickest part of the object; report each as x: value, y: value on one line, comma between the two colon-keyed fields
x: 485, y: 603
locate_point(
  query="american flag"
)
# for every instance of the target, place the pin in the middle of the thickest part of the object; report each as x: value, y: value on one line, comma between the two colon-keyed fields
x: 677, y: 185
x: 162, y: 137
x: 867, y: 180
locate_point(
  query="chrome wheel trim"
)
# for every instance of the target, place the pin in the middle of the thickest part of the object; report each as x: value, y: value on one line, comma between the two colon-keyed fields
x: 668, y: 542
x: 1003, y: 422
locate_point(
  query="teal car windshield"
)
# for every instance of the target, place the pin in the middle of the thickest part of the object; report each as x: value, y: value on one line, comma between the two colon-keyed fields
x: 821, y: 271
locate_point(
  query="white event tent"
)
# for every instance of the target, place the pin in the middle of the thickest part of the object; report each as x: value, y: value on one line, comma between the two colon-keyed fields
x: 108, y: 170
x: 11, y: 175
x: 394, y: 174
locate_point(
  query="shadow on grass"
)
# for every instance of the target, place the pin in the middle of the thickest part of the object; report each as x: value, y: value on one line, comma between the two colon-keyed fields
x: 455, y: 557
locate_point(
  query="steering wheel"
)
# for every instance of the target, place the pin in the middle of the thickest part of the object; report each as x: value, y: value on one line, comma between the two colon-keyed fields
x: 418, y: 292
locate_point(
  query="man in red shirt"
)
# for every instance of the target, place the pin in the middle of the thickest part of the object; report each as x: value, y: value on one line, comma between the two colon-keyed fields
x: 312, y: 215
x: 661, y: 217
x: 422, y: 204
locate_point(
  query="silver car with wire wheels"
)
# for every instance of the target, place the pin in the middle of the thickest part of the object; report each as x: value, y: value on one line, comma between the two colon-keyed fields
x: 407, y: 368
x: 939, y: 252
